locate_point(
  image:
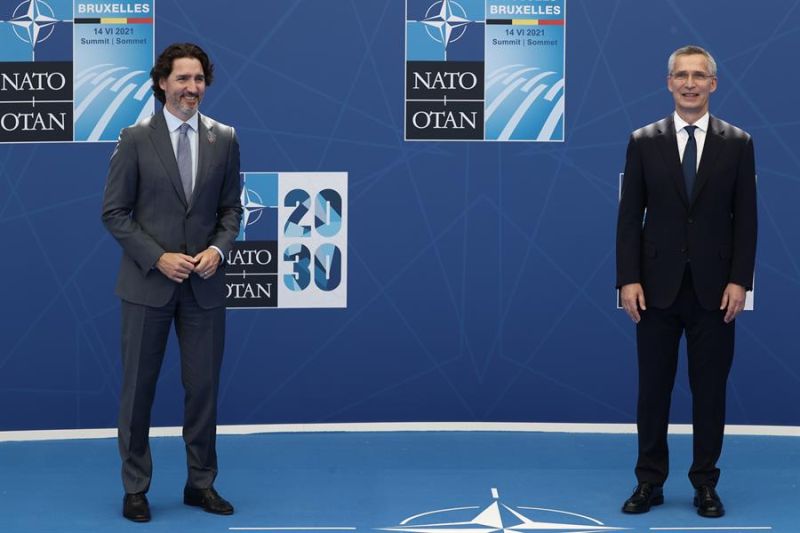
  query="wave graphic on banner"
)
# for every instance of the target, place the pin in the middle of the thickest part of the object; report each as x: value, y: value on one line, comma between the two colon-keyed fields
x: 108, y: 98
x: 523, y: 99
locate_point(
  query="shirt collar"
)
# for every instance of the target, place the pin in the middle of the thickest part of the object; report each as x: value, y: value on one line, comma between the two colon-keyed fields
x: 173, y: 122
x: 702, y: 123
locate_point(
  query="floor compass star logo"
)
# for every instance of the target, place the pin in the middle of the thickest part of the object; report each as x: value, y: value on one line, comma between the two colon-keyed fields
x: 499, y: 517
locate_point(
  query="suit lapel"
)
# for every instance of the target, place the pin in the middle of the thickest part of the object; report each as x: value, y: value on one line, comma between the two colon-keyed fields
x: 668, y: 146
x: 163, y: 147
x: 715, y: 136
x: 206, y: 136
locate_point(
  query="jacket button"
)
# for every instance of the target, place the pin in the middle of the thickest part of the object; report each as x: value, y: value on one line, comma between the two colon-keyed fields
x: 690, y: 221
x: 683, y: 250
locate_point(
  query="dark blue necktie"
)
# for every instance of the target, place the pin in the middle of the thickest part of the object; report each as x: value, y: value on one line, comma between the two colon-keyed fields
x: 690, y: 161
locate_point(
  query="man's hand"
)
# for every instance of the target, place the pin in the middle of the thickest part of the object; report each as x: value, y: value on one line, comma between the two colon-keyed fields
x: 175, y: 266
x: 732, y: 301
x: 632, y: 296
x: 206, y: 262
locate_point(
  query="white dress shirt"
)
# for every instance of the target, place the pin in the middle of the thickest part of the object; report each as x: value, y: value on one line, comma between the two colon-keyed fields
x: 173, y: 126
x: 683, y: 136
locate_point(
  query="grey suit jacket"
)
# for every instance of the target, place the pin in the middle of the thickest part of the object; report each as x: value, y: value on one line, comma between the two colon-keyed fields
x: 145, y: 209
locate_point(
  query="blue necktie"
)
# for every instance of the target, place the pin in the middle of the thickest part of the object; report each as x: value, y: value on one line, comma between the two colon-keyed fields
x: 690, y: 161
x: 185, y: 161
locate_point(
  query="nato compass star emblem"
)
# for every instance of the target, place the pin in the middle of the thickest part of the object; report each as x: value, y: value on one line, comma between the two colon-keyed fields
x: 499, y: 517
x: 33, y: 21
x: 446, y: 21
x: 252, y: 205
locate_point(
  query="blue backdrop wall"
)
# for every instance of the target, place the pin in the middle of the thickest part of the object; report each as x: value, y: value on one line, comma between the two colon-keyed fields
x: 480, y: 275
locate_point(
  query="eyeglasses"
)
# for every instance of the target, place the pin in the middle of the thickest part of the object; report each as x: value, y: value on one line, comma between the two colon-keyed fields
x: 682, y: 76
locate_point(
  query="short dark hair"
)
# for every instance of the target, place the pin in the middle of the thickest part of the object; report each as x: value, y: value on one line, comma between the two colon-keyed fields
x: 163, y: 67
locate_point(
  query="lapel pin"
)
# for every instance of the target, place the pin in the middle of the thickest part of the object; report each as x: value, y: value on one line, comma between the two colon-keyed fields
x: 211, y: 137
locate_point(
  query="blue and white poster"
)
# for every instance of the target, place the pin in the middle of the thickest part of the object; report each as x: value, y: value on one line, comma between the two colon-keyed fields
x: 73, y: 70
x: 113, y: 47
x: 485, y: 70
x: 291, y: 251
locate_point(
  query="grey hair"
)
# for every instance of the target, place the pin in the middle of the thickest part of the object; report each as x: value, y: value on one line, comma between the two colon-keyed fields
x: 692, y: 50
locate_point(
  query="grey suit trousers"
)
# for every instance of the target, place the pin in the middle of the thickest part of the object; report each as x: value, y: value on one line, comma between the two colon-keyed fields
x: 201, y: 336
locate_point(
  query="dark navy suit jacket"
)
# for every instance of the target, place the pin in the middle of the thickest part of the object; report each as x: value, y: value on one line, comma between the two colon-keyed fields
x: 714, y: 230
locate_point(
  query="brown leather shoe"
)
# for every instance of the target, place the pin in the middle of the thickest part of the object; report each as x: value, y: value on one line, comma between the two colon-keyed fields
x: 707, y: 502
x: 135, y: 507
x: 208, y: 499
x: 644, y: 496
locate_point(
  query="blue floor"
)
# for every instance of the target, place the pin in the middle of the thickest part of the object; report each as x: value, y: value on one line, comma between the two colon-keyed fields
x: 454, y: 482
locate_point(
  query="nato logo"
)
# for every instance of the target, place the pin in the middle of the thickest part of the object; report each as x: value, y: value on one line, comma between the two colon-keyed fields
x: 445, y: 30
x: 444, y: 69
x: 496, y: 517
x: 499, y: 517
x: 36, y: 71
x: 259, y: 207
x: 473, y: 77
x: 37, y: 31
x: 251, y: 270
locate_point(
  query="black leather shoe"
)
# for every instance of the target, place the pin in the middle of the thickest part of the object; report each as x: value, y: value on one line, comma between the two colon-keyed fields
x: 135, y: 507
x: 208, y: 499
x: 707, y: 502
x: 644, y: 496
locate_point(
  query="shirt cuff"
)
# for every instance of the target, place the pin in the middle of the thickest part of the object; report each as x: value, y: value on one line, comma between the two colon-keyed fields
x: 221, y: 255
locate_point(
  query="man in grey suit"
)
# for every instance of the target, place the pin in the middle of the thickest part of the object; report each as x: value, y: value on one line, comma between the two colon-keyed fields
x: 172, y: 201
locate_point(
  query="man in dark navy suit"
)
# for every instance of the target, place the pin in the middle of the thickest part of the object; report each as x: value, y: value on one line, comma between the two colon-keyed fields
x: 686, y: 242
x: 172, y: 202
